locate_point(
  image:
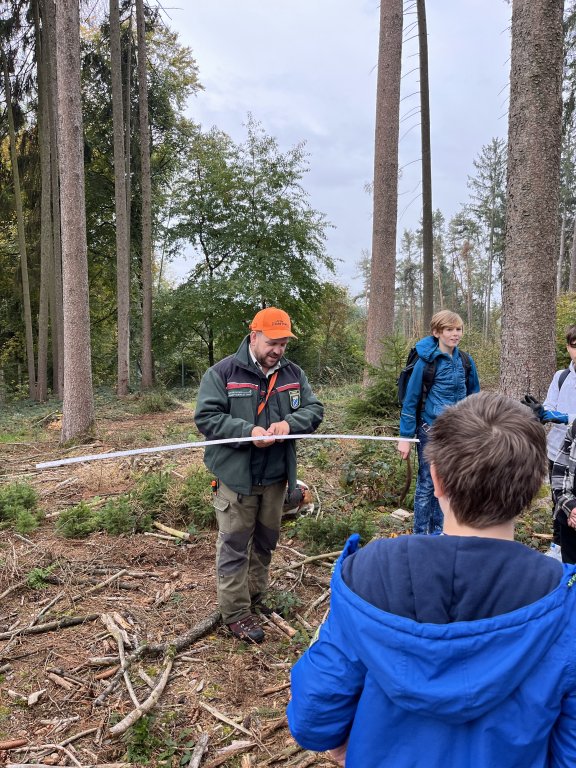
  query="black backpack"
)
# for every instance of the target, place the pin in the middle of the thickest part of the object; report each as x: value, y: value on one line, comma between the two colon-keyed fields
x: 562, y: 378
x: 427, y: 376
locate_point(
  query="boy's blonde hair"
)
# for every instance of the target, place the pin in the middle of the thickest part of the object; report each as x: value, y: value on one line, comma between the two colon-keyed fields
x: 445, y: 319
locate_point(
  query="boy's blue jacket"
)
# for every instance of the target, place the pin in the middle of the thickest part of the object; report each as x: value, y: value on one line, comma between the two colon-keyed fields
x: 420, y: 684
x: 448, y: 388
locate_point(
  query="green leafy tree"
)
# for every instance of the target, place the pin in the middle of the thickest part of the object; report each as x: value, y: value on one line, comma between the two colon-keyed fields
x: 255, y: 239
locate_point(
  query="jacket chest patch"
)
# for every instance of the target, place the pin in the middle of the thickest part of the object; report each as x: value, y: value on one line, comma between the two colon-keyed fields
x: 294, y: 399
x: 240, y: 389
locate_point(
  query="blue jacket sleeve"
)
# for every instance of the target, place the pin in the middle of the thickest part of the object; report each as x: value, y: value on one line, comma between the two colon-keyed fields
x: 563, y: 737
x: 411, y: 401
x: 326, y: 684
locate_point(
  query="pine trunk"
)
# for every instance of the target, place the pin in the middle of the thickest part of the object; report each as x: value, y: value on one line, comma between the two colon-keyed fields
x: 56, y: 298
x: 534, y: 142
x: 21, y: 237
x: 427, y: 231
x: 122, y: 254
x: 45, y: 207
x: 147, y: 370
x: 78, y: 407
x: 383, y: 265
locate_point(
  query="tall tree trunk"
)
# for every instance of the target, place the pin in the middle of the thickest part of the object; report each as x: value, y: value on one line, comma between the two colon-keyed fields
x: 383, y: 267
x: 56, y: 298
x: 78, y: 407
x: 560, y: 263
x: 128, y: 131
x: 572, y: 278
x: 427, y: 232
x: 21, y: 236
x: 147, y: 370
x: 46, y: 255
x: 122, y: 254
x: 534, y: 142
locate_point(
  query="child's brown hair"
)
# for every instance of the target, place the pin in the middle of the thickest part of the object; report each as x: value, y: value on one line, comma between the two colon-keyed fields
x: 490, y: 456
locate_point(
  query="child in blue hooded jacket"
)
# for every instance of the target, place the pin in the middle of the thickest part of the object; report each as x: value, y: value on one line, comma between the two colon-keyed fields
x: 450, y: 385
x: 455, y: 650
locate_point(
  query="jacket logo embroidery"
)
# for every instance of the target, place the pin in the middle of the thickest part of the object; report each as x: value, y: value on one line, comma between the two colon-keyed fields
x: 295, y: 399
x: 239, y: 393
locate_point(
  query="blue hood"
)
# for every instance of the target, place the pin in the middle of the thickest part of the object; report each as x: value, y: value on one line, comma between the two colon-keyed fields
x: 399, y: 691
x: 428, y: 348
x: 459, y: 670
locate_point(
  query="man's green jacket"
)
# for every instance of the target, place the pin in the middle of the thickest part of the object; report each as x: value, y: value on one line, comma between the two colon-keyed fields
x: 227, y: 406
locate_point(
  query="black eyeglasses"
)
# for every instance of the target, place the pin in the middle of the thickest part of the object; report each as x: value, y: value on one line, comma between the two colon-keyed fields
x: 572, y: 344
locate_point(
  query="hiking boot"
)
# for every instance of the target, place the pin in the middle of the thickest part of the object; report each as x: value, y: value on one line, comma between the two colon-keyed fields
x: 248, y: 629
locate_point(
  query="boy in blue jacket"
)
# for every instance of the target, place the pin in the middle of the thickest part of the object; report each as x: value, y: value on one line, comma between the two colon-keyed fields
x: 455, y: 650
x: 452, y: 381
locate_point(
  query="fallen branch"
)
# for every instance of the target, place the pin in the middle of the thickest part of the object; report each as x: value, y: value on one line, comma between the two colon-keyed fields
x: 198, y: 751
x: 49, y: 626
x: 316, y: 603
x: 236, y: 748
x: 219, y: 716
x: 13, y: 743
x: 116, y: 633
x: 275, y: 689
x: 283, y: 625
x: 179, y: 644
x: 311, y: 559
x: 172, y: 531
x: 13, y: 588
x: 147, y: 705
x: 99, y: 586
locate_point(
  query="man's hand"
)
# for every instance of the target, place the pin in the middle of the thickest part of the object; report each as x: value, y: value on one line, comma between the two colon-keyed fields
x: 279, y: 428
x: 261, y: 432
x: 403, y: 447
x: 571, y: 520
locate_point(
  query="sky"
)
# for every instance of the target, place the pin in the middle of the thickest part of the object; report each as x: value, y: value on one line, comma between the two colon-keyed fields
x: 306, y: 70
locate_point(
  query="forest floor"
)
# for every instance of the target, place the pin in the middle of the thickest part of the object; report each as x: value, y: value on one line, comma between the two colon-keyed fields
x: 71, y: 608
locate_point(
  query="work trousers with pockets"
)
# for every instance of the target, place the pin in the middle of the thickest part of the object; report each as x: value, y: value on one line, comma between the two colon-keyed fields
x: 248, y: 531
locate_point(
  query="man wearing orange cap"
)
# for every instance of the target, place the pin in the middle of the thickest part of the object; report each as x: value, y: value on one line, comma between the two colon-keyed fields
x: 255, y: 393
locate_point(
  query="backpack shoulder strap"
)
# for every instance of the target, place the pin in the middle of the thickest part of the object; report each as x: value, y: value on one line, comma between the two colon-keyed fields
x: 428, y: 377
x: 563, y: 377
x: 467, y: 365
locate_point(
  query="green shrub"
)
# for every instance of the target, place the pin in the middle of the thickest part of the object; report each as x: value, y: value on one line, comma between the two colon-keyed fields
x: 18, y: 507
x: 155, y: 401
x: 118, y: 516
x: 331, y: 531
x: 376, y: 473
x: 77, y: 522
x: 151, y: 491
x: 379, y: 401
x: 195, y: 500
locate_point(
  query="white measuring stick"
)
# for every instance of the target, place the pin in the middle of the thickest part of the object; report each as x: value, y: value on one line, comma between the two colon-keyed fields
x: 204, y: 443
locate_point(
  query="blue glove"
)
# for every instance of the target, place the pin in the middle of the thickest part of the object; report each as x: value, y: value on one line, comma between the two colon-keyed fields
x: 544, y: 416
x: 553, y: 417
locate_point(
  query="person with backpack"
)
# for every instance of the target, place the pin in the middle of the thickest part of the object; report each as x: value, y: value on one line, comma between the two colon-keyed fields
x: 441, y: 376
x: 561, y: 397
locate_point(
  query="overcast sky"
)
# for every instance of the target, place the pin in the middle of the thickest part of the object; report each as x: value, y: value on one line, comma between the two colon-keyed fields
x: 306, y: 69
